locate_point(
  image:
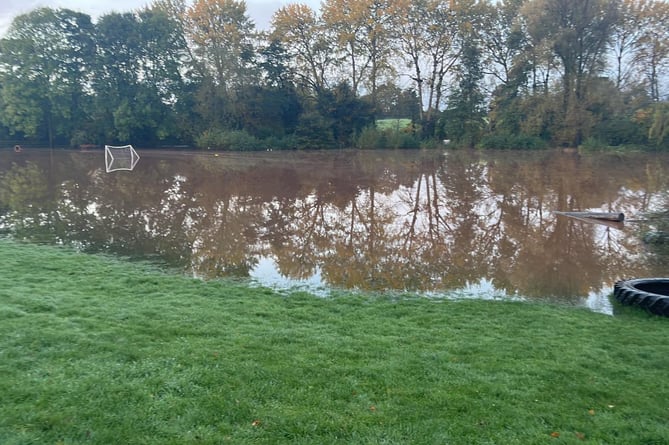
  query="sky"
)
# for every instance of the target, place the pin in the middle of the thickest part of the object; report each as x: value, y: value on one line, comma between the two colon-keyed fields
x: 260, y: 11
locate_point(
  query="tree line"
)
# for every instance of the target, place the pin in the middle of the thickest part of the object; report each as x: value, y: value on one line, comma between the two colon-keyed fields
x: 484, y: 73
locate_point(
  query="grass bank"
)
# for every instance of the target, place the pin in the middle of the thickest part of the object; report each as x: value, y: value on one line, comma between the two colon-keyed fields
x: 95, y: 351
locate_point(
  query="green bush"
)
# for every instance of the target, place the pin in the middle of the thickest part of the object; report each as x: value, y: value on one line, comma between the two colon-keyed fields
x: 375, y: 138
x: 594, y: 144
x: 398, y: 139
x: 367, y: 138
x: 433, y: 144
x: 228, y: 140
x: 288, y: 142
x: 619, y: 130
x: 506, y: 141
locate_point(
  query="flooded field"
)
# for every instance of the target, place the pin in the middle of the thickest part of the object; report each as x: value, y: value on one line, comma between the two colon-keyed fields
x: 436, y: 223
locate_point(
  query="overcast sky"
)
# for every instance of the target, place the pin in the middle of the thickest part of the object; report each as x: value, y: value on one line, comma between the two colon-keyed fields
x: 260, y: 11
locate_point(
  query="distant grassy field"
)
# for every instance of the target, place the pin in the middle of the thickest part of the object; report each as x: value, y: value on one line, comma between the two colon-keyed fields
x: 94, y: 350
x: 393, y: 124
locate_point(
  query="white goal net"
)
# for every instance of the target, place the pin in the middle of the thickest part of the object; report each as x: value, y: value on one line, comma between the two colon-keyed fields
x: 120, y: 157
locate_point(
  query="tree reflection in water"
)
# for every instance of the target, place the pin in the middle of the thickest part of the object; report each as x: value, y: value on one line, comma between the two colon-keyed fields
x: 431, y: 222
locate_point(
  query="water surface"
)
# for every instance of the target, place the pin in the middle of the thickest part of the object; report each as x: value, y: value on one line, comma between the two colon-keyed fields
x: 437, y: 223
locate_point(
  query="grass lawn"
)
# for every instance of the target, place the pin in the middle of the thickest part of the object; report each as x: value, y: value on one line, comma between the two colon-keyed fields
x: 392, y: 124
x: 95, y: 350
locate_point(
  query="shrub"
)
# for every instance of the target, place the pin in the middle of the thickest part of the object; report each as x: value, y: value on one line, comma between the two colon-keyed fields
x: 506, y: 141
x: 594, y: 144
x: 619, y: 130
x: 228, y: 140
x: 288, y: 142
x: 375, y: 138
x: 368, y: 138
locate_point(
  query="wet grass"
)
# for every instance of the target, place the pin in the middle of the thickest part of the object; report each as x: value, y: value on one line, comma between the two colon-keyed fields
x: 94, y: 351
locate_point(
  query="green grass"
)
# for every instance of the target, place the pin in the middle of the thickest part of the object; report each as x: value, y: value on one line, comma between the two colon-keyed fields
x: 392, y: 124
x: 96, y: 351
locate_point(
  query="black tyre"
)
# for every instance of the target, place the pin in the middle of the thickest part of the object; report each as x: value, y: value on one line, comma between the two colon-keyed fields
x: 651, y: 294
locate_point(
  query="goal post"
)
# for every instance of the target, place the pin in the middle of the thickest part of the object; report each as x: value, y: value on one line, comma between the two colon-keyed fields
x: 121, y: 157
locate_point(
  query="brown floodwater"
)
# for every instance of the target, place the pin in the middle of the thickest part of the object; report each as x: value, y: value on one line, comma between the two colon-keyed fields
x: 435, y: 223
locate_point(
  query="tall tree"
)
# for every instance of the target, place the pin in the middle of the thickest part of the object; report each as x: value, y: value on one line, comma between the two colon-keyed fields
x: 170, y: 67
x: 348, y: 114
x: 464, y: 117
x: 44, y: 71
x: 625, y: 38
x: 346, y: 18
x: 507, y: 57
x: 222, y: 35
x: 309, y: 46
x: 426, y: 31
x: 378, y: 44
x: 116, y: 81
x: 652, y: 46
x: 222, y: 38
x: 138, y: 80
x: 274, y: 63
x: 361, y: 29
x: 578, y: 32
x: 394, y: 102
x: 501, y: 37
